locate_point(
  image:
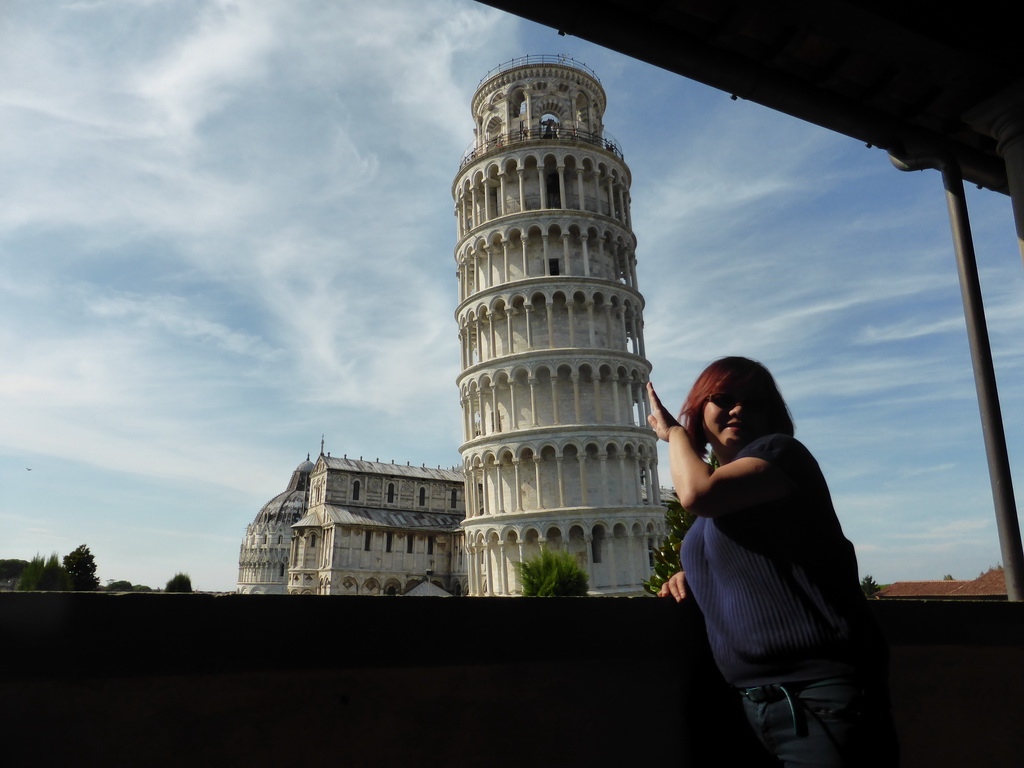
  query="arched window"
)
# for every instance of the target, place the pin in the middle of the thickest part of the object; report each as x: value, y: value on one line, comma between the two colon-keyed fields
x: 312, y: 541
x: 597, y: 544
x: 455, y: 496
x: 355, y: 490
x: 280, y: 570
x: 391, y: 493
x: 423, y: 496
x: 549, y: 123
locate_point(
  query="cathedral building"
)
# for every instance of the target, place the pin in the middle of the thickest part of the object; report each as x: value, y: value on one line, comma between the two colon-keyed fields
x: 362, y: 528
x: 556, y: 452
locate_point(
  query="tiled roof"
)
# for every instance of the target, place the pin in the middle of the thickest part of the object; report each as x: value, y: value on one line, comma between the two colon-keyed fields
x: 394, y: 470
x: 990, y: 584
x: 391, y: 518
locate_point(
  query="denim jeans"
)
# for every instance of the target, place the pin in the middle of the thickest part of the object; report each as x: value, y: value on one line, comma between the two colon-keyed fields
x: 832, y: 723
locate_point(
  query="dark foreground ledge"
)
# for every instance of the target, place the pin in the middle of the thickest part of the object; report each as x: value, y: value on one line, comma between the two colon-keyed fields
x: 155, y: 680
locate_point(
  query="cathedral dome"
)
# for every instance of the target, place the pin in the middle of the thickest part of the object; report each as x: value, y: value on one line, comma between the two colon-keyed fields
x: 263, y: 560
x: 285, y: 508
x: 289, y: 506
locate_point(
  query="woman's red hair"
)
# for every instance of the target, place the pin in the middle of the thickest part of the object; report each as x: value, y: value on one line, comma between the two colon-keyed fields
x: 734, y: 375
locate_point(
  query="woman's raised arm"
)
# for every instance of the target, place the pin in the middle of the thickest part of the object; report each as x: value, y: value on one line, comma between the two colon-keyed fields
x: 740, y: 484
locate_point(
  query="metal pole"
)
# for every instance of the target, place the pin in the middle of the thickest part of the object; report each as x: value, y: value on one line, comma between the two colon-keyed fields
x: 981, y: 358
x: 985, y: 382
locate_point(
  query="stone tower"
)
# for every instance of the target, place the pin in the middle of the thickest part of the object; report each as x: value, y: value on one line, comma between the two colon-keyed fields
x: 557, y: 451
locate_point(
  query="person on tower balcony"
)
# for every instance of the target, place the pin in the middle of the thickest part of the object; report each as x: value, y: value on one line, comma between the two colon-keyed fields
x: 775, y: 578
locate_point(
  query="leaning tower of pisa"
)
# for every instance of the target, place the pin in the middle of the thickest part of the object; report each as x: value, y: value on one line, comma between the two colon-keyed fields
x: 557, y: 451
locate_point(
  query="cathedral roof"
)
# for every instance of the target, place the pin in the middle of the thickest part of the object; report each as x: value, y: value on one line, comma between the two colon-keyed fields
x: 286, y: 508
x: 394, y: 470
x: 366, y: 517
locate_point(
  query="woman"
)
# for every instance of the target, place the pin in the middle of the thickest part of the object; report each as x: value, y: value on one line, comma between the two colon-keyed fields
x: 775, y: 578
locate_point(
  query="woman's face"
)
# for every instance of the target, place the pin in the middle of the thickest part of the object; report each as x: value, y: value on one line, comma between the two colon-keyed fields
x: 731, y: 421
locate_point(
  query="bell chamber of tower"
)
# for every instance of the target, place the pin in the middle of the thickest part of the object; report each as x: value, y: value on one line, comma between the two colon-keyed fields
x: 557, y: 451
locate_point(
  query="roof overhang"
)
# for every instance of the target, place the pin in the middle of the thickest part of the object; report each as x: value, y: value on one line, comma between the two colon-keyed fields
x: 899, y: 76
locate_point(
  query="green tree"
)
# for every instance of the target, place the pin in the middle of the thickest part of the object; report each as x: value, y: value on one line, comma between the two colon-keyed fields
x: 553, y: 574
x: 179, y: 583
x: 119, y: 586
x: 81, y: 565
x: 868, y: 586
x: 45, y: 576
x: 948, y: 577
x: 666, y: 557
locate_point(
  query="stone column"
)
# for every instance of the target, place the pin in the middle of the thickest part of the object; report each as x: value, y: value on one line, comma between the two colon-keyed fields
x: 613, y: 571
x: 602, y: 457
x: 503, y: 566
x: 615, y: 399
x: 561, y: 481
x: 518, y: 488
x: 514, y: 412
x: 575, y: 376
x: 510, y: 344
x: 532, y: 381
x: 498, y: 490
x: 536, y: 473
x: 495, y: 418
x: 582, y: 461
x: 554, y: 398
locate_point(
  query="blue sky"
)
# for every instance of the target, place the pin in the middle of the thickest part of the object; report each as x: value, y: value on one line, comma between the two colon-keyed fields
x: 226, y: 228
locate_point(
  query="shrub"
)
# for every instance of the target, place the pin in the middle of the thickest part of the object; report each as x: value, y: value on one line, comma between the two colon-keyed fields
x: 666, y: 557
x: 553, y: 574
x: 180, y: 583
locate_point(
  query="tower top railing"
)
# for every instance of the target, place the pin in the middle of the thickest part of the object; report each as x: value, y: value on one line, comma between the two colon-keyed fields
x: 523, y: 61
x: 570, y: 135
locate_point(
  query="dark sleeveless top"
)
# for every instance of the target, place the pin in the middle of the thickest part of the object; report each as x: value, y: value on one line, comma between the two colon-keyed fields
x: 778, y: 583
